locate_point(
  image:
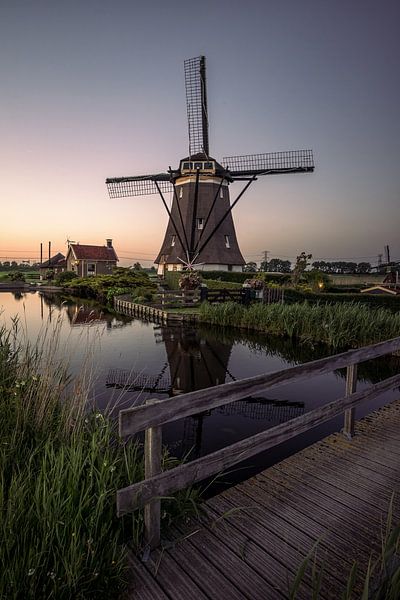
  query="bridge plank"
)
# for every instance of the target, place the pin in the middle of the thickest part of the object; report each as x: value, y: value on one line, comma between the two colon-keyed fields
x: 330, y: 493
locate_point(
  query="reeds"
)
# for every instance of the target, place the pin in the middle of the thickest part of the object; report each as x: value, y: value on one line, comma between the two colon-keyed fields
x: 337, y: 325
x: 60, y: 467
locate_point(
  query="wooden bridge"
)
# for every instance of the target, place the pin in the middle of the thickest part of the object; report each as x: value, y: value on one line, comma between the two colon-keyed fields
x: 250, y: 540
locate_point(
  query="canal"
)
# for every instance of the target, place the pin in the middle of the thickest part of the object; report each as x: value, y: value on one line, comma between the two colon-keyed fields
x: 132, y: 360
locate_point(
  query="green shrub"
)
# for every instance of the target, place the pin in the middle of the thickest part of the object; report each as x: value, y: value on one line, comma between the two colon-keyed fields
x: 16, y: 276
x: 65, y: 276
x: 293, y: 295
x: 104, y: 287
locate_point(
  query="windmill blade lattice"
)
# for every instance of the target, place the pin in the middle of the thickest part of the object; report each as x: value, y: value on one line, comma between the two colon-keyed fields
x: 142, y: 185
x: 293, y: 161
x: 196, y: 103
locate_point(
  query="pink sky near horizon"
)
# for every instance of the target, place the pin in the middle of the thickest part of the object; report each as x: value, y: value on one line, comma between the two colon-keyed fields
x: 85, y: 98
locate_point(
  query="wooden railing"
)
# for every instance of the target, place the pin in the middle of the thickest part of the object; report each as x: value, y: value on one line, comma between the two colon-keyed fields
x: 181, y: 297
x: 155, y: 413
x: 242, y: 295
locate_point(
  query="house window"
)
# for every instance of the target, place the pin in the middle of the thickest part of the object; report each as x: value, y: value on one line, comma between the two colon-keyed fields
x: 91, y: 269
x: 227, y: 243
x: 230, y: 267
x: 174, y: 267
x: 173, y: 238
x: 200, y: 223
x: 221, y: 192
x: 181, y: 192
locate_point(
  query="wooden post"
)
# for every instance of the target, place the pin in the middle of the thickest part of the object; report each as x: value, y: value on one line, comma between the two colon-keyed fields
x: 152, y: 466
x: 351, y: 386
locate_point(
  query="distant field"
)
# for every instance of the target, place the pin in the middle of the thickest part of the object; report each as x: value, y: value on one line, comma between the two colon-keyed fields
x: 29, y: 275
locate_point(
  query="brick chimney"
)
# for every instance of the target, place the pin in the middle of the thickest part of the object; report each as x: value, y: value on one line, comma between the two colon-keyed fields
x: 109, y: 243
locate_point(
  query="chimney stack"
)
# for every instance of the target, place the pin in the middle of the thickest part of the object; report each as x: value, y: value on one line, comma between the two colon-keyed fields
x: 109, y: 243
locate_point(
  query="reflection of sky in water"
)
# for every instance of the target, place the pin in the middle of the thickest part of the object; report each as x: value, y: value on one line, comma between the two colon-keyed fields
x: 158, y: 361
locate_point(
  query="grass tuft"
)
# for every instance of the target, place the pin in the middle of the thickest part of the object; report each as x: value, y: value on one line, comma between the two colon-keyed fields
x: 60, y: 467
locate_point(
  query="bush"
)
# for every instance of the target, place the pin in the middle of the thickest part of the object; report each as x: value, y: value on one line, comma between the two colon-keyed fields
x: 104, y: 287
x: 64, y: 277
x: 374, y: 301
x: 16, y: 276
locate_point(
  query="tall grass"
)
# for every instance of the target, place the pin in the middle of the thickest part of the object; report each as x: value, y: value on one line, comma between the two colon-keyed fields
x: 338, y: 325
x: 60, y: 467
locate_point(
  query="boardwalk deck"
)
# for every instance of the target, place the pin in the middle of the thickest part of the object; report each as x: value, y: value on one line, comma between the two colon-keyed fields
x: 251, y: 539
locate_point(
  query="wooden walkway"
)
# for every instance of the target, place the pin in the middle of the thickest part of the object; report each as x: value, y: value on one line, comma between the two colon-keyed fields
x: 252, y: 538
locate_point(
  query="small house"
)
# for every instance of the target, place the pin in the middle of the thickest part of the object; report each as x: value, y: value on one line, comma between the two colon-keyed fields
x: 56, y: 264
x: 85, y: 260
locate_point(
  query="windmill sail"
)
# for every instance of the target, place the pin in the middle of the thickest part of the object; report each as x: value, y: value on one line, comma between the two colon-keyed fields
x: 141, y: 185
x: 293, y: 161
x: 196, y: 103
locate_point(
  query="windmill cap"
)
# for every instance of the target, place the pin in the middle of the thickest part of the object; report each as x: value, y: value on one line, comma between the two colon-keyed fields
x: 201, y: 156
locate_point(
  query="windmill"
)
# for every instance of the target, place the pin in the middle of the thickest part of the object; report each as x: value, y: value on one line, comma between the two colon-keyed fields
x: 200, y: 231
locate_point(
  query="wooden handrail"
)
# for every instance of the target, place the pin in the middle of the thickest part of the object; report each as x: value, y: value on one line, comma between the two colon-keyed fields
x: 133, y: 420
x: 159, y: 484
x: 137, y: 495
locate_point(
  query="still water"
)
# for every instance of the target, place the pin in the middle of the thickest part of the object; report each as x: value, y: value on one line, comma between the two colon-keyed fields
x: 133, y: 360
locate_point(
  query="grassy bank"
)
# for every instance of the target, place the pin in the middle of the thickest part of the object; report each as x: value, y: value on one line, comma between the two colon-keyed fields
x: 338, y: 325
x: 60, y: 467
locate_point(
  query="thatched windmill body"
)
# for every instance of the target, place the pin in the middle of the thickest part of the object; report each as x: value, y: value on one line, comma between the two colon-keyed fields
x: 200, y: 232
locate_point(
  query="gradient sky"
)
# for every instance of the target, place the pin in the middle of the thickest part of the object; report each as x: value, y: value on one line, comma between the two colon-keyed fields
x: 95, y: 89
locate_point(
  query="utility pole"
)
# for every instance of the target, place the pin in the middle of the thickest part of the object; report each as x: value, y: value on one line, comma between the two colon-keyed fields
x: 265, y: 261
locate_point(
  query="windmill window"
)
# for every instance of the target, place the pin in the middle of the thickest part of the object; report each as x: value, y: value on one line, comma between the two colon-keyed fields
x: 221, y: 192
x: 197, y: 165
x: 186, y: 166
x: 227, y: 243
x: 200, y: 223
x: 208, y: 165
x: 181, y: 192
x: 173, y: 238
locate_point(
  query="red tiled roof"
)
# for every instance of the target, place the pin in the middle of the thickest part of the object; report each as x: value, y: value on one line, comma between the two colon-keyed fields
x: 85, y: 252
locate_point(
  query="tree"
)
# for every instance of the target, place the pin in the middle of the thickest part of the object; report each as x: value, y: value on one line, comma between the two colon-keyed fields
x: 277, y: 265
x: 317, y: 280
x: 137, y: 266
x: 250, y: 267
x: 302, y: 262
x: 363, y: 267
x: 321, y: 265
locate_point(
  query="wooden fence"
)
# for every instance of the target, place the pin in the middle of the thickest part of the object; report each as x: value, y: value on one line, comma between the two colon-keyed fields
x: 181, y: 297
x: 151, y: 416
x: 216, y: 295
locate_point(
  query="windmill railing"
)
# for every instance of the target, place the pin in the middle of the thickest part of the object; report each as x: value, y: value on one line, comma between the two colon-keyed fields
x: 152, y: 416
